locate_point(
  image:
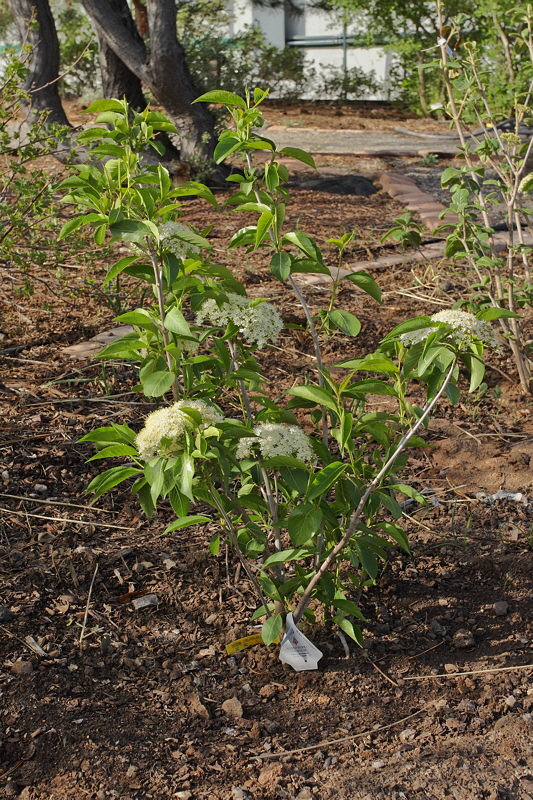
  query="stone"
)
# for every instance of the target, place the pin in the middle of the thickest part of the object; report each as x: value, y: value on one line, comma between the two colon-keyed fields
x: 5, y: 614
x: 40, y: 488
x: 451, y: 668
x: 233, y: 708
x: 11, y: 789
x: 22, y: 668
x: 500, y: 608
x: 305, y: 794
x: 145, y: 601
x: 463, y: 638
x: 510, y: 701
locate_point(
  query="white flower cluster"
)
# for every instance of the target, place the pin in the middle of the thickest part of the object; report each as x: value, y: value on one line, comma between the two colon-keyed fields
x: 170, y: 240
x: 465, y: 328
x: 259, y: 324
x: 274, y: 439
x: 171, y: 423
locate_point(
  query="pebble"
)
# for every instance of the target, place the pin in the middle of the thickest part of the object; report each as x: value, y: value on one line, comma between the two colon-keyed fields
x: 233, y: 708
x: 510, y: 701
x: 500, y: 608
x: 305, y: 794
x: 22, y: 668
x: 184, y: 794
x: 5, y: 477
x: 451, y: 668
x: 145, y: 601
x: 463, y: 638
x: 378, y: 764
x: 11, y: 789
x: 437, y: 628
x: 40, y: 488
x: 5, y: 614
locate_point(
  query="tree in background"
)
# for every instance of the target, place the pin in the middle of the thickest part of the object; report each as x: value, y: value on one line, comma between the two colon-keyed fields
x: 37, y: 29
x: 129, y: 63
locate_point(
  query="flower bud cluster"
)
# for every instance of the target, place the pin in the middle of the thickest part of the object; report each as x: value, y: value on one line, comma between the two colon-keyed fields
x: 172, y: 242
x: 275, y: 439
x: 259, y: 324
x: 466, y: 328
x: 170, y: 424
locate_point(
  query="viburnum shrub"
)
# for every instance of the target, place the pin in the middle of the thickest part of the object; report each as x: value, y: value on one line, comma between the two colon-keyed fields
x: 311, y: 508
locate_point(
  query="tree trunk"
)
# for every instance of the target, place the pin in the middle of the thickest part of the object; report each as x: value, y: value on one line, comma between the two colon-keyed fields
x: 117, y: 79
x: 44, y: 59
x: 161, y: 68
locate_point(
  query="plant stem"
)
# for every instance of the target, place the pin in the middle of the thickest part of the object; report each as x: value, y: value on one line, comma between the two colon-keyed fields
x: 161, y: 304
x: 306, y: 596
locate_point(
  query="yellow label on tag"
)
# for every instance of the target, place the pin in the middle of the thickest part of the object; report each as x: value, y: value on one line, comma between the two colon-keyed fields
x: 247, y: 641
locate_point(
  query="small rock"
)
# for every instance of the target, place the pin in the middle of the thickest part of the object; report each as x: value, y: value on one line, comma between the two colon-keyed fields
x: 305, y: 794
x: 11, y: 789
x: 233, y: 708
x: 463, y: 638
x: 407, y: 734
x: 183, y: 795
x: 5, y: 478
x: 450, y: 668
x: 500, y: 608
x: 22, y: 668
x: 5, y: 614
x: 437, y: 628
x: 510, y: 701
x: 238, y: 794
x: 145, y: 601
x: 40, y: 488
x: 131, y: 771
x: 378, y: 764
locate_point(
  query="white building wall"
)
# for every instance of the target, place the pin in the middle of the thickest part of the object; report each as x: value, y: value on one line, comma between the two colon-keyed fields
x: 280, y: 26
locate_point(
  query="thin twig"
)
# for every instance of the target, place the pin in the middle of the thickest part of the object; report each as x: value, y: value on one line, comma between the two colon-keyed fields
x: 57, y: 502
x: 387, y: 677
x: 470, y: 672
x: 82, y: 632
x: 64, y: 519
x: 370, y: 732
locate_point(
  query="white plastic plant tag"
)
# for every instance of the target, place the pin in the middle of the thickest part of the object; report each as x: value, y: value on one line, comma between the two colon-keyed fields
x: 297, y: 650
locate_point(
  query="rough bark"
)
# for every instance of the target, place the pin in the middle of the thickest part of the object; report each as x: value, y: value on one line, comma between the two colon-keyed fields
x: 44, y: 59
x: 117, y: 79
x: 161, y: 68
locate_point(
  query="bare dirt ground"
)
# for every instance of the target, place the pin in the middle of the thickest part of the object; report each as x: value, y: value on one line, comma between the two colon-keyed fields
x: 438, y: 704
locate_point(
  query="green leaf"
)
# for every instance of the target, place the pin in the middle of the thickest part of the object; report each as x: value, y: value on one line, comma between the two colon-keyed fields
x: 119, y: 267
x: 214, y: 544
x: 263, y: 224
x: 272, y: 628
x: 324, y: 479
x: 113, y: 451
x: 194, y: 188
x: 176, y: 322
x: 415, y: 324
x: 365, y: 282
x: 453, y: 394
x: 225, y: 147
x: 350, y: 629
x: 305, y: 244
x: 375, y: 362
x: 158, y: 383
x: 303, y: 523
x: 130, y: 230
x: 488, y: 314
x: 110, y: 435
x: 187, y: 522
x: 105, y: 105
x: 139, y: 318
x: 288, y: 555
x: 316, y: 394
x: 221, y: 96
x: 349, y: 608
x: 299, y: 155
x: 345, y: 321
x: 280, y: 266
x: 110, y: 478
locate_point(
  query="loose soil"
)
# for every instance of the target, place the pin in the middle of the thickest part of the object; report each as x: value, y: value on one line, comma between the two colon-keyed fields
x: 138, y: 708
